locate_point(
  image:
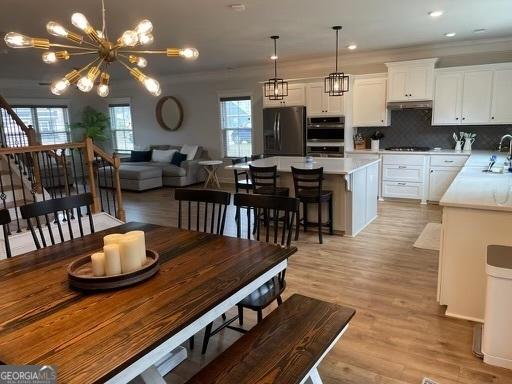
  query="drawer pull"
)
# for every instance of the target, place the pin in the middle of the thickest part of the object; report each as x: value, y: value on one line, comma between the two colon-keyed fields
x: 401, y: 184
x: 448, y: 161
x: 402, y: 167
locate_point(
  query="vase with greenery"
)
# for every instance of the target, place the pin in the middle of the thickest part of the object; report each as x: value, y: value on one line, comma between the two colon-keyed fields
x: 94, y: 124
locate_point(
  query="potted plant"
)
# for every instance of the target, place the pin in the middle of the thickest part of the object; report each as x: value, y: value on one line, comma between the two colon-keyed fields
x: 377, y: 135
x: 94, y: 124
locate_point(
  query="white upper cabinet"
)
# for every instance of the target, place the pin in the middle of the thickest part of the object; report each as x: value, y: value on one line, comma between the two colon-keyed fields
x: 501, y: 107
x: 320, y: 103
x: 296, y: 97
x: 448, y: 98
x: 411, y: 80
x: 476, y: 97
x: 369, y: 102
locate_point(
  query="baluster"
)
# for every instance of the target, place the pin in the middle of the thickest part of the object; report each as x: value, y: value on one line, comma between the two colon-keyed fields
x: 13, y: 195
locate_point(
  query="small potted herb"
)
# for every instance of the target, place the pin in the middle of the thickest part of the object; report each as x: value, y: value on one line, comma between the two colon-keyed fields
x: 377, y: 135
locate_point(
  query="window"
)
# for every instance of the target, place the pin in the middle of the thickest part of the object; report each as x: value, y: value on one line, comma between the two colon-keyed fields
x: 51, y: 123
x: 236, y: 126
x: 121, y: 126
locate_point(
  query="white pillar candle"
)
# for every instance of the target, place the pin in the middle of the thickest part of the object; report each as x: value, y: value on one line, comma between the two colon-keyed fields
x: 98, y: 264
x: 112, y: 239
x: 130, y: 253
x: 141, y: 244
x: 112, y: 259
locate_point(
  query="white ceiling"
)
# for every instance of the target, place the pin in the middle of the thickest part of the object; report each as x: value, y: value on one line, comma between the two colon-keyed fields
x: 228, y: 39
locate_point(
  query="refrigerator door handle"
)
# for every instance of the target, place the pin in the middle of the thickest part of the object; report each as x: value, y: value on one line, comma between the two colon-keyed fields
x: 275, y: 129
x: 278, y: 137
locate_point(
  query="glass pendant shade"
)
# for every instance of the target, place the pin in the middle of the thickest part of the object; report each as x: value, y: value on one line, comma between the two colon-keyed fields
x: 275, y: 88
x: 337, y: 83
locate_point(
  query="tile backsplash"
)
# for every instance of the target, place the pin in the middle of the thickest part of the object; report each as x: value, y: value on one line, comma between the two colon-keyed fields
x: 412, y: 127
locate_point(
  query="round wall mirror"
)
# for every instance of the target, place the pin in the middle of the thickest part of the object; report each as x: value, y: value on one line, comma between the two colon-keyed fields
x: 169, y: 113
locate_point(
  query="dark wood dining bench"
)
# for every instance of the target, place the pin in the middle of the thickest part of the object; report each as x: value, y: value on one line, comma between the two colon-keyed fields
x: 285, y: 348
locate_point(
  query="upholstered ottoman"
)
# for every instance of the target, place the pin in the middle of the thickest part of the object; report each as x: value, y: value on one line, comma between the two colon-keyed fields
x: 133, y: 177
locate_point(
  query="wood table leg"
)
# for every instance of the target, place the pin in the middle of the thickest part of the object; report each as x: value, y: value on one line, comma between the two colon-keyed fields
x: 215, y: 177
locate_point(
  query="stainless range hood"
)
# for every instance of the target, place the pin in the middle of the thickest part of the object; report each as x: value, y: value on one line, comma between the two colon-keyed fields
x: 410, y: 105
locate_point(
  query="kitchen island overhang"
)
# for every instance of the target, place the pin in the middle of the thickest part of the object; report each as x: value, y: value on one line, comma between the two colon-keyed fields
x: 353, y: 182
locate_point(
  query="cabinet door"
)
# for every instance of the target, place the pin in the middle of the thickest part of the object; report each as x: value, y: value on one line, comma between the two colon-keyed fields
x: 502, y: 97
x: 448, y: 99
x: 476, y: 98
x: 334, y: 104
x: 296, y: 95
x: 419, y: 83
x: 440, y: 180
x: 315, y: 99
x: 398, y: 85
x: 369, y: 103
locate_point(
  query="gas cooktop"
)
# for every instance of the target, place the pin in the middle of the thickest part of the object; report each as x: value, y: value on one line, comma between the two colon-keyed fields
x: 408, y: 149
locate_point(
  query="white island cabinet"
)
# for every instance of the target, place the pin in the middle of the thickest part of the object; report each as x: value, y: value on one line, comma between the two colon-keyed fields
x: 353, y: 182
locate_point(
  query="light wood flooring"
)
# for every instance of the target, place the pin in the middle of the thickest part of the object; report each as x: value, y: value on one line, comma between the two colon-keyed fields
x: 399, y: 333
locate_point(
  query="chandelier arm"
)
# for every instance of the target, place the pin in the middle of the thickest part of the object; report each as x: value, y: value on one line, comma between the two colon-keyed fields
x: 125, y: 65
x: 143, y: 52
x: 88, y: 43
x: 73, y: 47
x: 88, y: 65
x: 82, y: 53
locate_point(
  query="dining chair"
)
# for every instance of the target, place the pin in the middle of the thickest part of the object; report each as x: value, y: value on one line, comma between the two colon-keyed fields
x: 284, y: 210
x: 63, y: 210
x: 213, y: 203
x: 5, y: 220
x: 203, y: 199
x: 308, y: 189
x: 242, y: 180
x: 264, y: 181
x: 257, y: 157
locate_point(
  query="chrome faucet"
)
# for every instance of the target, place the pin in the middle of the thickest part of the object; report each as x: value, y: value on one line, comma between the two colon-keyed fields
x: 509, y: 137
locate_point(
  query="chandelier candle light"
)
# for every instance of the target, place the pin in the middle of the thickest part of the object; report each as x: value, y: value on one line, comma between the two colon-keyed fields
x: 275, y: 88
x: 337, y: 83
x: 97, y: 43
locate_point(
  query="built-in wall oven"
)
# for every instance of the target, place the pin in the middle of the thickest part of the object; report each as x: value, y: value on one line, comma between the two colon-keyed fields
x: 325, y: 136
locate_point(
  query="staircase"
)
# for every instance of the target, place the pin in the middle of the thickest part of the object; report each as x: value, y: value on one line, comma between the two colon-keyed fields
x: 31, y: 172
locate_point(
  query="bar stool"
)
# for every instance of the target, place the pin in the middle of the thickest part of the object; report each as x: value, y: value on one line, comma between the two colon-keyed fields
x: 242, y: 180
x: 264, y: 181
x: 308, y: 189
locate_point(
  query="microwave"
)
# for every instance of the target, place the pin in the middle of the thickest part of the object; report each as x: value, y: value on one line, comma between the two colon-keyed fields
x: 325, y: 129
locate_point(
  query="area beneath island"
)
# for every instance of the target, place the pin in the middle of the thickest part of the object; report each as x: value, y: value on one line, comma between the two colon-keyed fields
x: 354, y: 183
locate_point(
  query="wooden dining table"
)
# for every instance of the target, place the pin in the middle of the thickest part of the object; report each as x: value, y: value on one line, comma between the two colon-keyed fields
x: 115, y: 336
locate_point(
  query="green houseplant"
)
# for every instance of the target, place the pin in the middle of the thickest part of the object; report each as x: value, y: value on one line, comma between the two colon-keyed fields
x: 94, y: 124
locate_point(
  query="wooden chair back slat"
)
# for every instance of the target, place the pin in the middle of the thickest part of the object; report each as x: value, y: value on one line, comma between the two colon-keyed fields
x: 307, y: 180
x: 204, y: 199
x: 5, y: 220
x: 263, y: 176
x: 66, y: 206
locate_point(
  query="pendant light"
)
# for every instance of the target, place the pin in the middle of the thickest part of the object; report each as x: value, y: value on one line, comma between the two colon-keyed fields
x: 275, y: 88
x: 337, y: 83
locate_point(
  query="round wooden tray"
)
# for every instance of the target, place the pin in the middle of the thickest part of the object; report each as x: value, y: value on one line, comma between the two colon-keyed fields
x: 81, y: 277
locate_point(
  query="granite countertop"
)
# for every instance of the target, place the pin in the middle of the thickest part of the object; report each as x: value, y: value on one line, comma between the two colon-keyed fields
x: 475, y: 189
x: 332, y: 166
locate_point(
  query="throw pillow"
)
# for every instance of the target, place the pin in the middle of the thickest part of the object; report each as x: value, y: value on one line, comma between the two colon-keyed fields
x: 177, y: 158
x: 140, y: 156
x: 160, y: 156
x: 190, y: 151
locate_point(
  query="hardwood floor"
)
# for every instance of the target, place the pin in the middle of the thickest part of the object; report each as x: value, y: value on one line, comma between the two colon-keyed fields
x: 399, y: 333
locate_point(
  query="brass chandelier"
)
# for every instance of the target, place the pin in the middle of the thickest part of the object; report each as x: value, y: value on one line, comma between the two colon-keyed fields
x: 106, y: 52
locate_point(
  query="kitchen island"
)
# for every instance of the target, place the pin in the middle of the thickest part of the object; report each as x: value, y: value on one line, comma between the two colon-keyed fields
x: 353, y: 182
x: 477, y: 212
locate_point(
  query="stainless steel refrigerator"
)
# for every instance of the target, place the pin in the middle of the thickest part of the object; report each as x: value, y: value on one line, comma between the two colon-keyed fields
x: 284, y: 131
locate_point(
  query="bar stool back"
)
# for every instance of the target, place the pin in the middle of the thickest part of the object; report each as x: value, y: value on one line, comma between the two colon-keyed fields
x: 308, y: 185
x: 264, y: 181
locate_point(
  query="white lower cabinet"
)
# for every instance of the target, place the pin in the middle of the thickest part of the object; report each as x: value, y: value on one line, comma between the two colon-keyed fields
x: 439, y: 181
x: 402, y: 190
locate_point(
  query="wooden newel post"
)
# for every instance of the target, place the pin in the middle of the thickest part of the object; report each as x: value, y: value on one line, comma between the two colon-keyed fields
x: 121, y: 214
x: 91, y: 175
x: 32, y: 141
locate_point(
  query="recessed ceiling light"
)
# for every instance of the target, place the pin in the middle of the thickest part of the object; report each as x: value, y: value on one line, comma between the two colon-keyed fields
x: 352, y: 46
x: 273, y: 57
x: 237, y: 7
x: 450, y: 34
x: 479, y: 30
x: 435, y: 13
